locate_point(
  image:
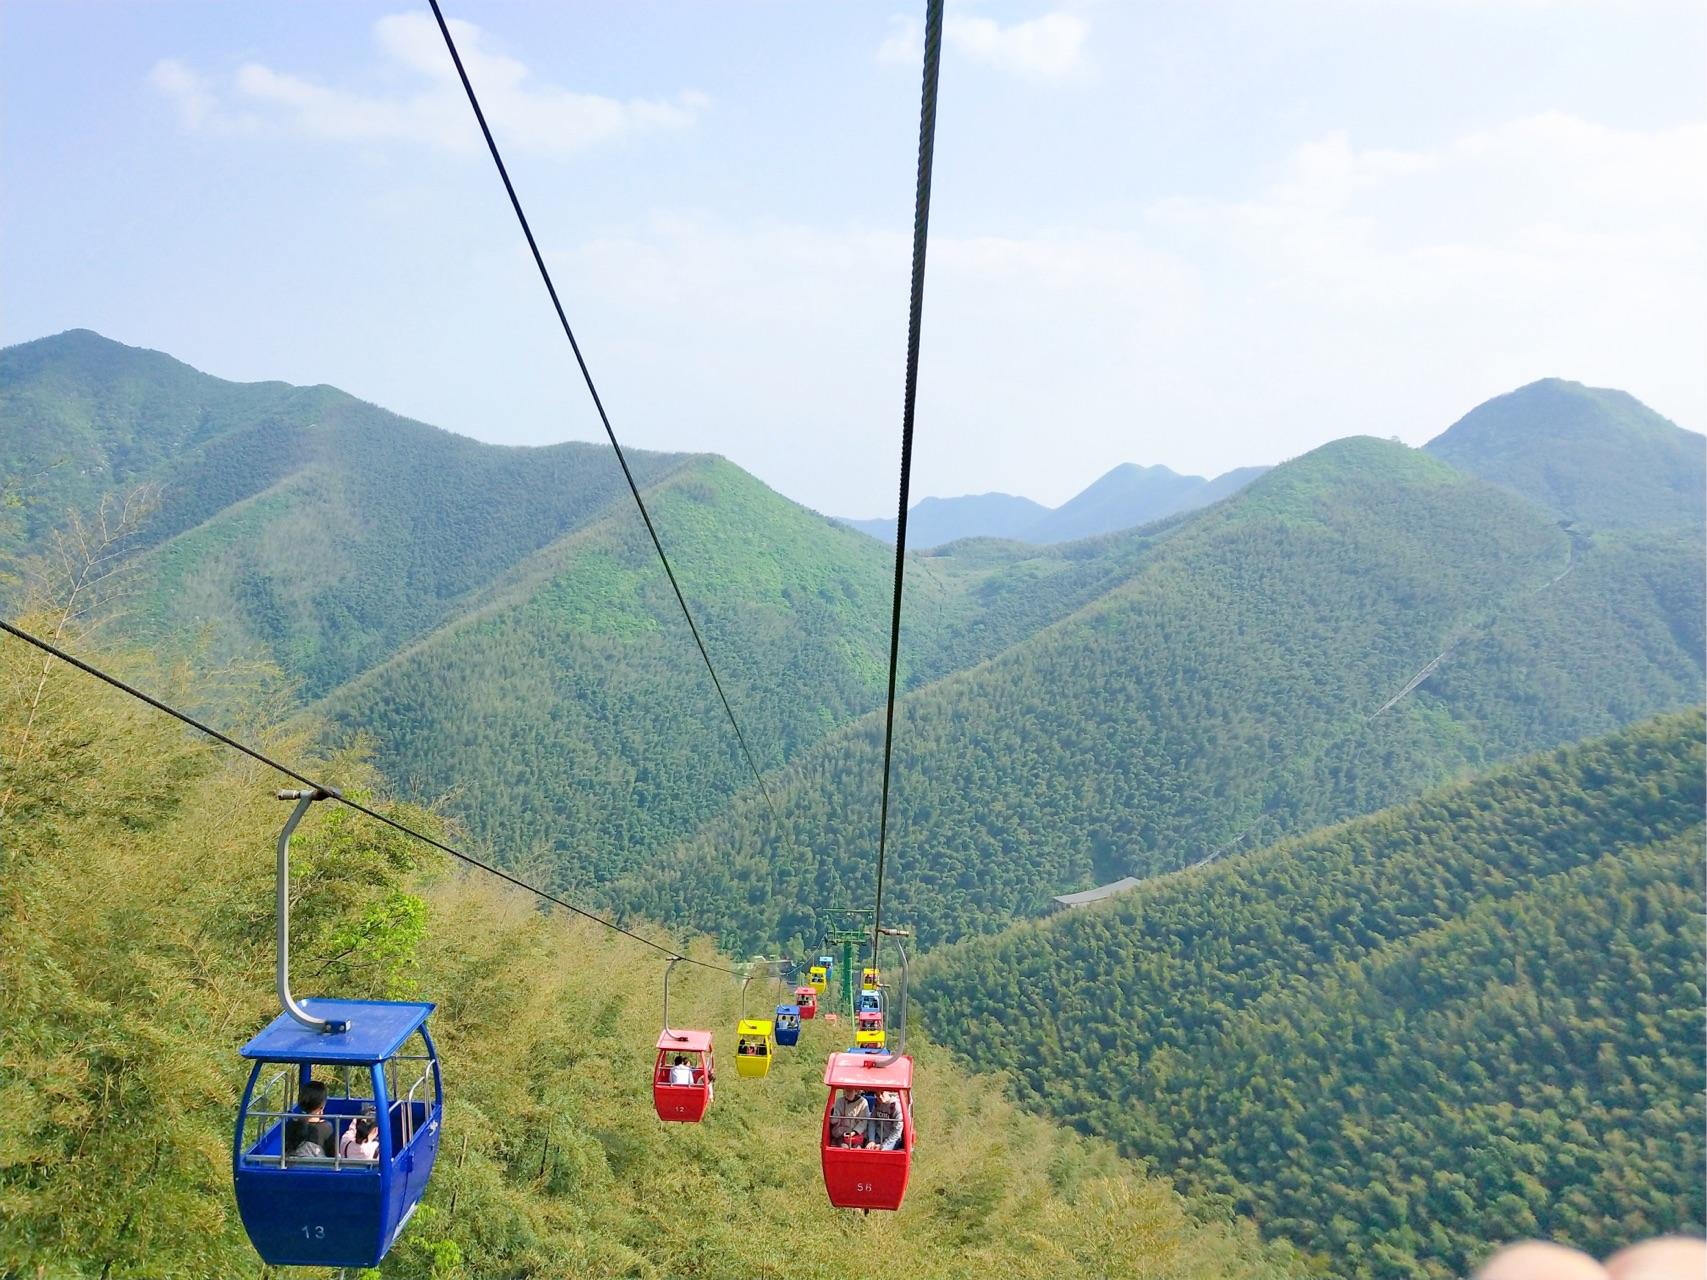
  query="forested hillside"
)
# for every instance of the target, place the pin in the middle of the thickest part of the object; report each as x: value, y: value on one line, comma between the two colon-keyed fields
x: 136, y: 958
x: 1355, y: 627
x: 296, y: 524
x: 1475, y: 1016
x: 568, y: 715
x: 1593, y: 455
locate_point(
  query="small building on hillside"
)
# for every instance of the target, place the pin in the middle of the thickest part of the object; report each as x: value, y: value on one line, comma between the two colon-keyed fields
x: 1084, y: 898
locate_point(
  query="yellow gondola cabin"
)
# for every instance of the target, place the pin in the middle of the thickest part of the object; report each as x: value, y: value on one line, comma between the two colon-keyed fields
x: 755, y: 1046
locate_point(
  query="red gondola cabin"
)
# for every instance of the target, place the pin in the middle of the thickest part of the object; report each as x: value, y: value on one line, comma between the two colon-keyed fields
x: 865, y: 1172
x: 683, y: 1076
x: 807, y: 999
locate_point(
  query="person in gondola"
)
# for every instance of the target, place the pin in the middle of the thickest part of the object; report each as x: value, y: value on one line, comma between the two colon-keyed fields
x: 311, y: 1133
x: 360, y: 1141
x: 886, y: 1122
x: 680, y: 1072
x: 849, y: 1118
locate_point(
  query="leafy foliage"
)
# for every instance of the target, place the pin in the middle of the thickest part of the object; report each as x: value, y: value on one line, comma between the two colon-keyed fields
x: 1474, y: 1017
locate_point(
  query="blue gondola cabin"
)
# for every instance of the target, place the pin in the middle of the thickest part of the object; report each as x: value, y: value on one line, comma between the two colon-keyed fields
x: 788, y: 1024
x: 337, y: 1133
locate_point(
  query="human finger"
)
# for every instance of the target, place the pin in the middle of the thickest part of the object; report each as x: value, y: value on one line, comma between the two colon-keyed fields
x: 1542, y: 1260
x: 1667, y: 1258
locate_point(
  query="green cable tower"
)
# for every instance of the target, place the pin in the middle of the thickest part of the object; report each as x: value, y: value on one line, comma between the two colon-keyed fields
x: 850, y: 929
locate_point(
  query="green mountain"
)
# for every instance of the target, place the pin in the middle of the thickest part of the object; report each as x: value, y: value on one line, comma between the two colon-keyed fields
x: 136, y: 957
x: 493, y: 619
x: 1353, y: 628
x: 1597, y: 457
x: 1474, y: 1017
x: 298, y: 522
x: 1349, y: 631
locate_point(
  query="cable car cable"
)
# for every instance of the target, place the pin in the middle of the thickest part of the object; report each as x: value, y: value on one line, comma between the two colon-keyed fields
x: 586, y: 375
x: 915, y: 318
x: 48, y: 647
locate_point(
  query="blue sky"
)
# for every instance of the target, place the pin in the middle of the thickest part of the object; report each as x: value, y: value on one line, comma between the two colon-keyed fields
x: 1200, y: 234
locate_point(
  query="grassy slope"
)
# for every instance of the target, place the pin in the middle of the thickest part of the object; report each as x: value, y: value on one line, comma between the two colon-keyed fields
x: 1472, y: 1017
x: 1224, y: 691
x: 135, y: 957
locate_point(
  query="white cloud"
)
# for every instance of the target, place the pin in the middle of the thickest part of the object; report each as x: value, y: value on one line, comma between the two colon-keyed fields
x: 1051, y: 47
x: 786, y: 344
x: 1512, y: 208
x: 190, y: 92
x: 1048, y: 48
x: 525, y: 115
x: 1356, y: 289
x: 904, y: 46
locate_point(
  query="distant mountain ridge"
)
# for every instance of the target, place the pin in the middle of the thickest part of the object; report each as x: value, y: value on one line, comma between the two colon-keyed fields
x: 936, y: 521
x: 1126, y: 497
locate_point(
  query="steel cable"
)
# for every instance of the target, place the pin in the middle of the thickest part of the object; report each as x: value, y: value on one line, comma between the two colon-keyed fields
x: 598, y: 403
x: 915, y: 318
x: 48, y: 647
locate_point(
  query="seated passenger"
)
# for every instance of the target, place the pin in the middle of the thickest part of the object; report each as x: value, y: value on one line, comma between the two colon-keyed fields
x: 311, y: 1133
x: 886, y: 1122
x: 361, y: 1140
x: 680, y: 1072
x: 849, y: 1116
